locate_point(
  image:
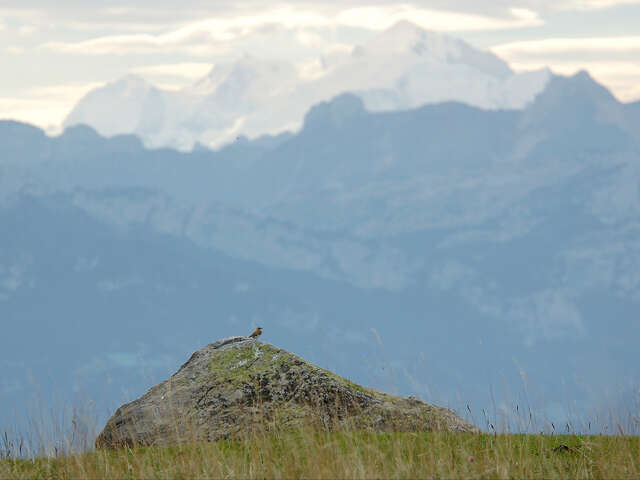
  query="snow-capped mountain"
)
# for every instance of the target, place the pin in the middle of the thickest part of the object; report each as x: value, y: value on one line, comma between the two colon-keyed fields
x: 406, y: 67
x: 401, y: 68
x: 129, y: 97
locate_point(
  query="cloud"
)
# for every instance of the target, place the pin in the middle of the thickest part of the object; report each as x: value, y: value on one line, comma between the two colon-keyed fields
x: 310, y: 39
x: 622, y: 78
x: 44, y: 106
x: 612, y: 61
x: 198, y: 43
x: 43, y: 114
x: 164, y: 11
x: 68, y: 91
x: 141, y: 359
x: 27, y: 30
x: 382, y: 17
x: 201, y: 38
x: 14, y: 49
x: 19, y: 13
x: 186, y: 70
x: 88, y: 16
x: 547, y: 315
x: 597, y: 4
x: 547, y: 46
x: 450, y: 275
x: 299, y: 32
x: 217, y: 34
x: 108, y: 286
x: 537, y: 5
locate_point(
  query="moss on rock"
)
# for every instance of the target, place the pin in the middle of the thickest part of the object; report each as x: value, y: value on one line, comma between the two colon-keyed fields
x: 237, y: 384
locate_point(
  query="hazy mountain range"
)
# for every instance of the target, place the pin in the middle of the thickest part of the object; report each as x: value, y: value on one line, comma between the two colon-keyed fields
x: 448, y: 251
x: 401, y: 68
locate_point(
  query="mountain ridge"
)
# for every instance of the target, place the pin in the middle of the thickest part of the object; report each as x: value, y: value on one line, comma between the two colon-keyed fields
x: 401, y: 68
x: 486, y: 236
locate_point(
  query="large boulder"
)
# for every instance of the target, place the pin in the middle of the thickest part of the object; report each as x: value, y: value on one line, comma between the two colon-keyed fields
x: 237, y: 385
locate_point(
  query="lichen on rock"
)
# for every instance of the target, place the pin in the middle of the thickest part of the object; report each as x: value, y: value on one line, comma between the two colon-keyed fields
x: 238, y: 385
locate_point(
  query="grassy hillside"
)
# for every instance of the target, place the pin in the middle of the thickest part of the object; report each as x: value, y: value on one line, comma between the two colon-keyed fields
x: 313, y: 454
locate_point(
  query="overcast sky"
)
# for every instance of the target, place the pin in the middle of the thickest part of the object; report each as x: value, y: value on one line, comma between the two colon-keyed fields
x: 54, y: 51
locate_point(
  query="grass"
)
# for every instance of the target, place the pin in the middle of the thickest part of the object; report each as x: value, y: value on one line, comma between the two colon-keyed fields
x: 309, y: 453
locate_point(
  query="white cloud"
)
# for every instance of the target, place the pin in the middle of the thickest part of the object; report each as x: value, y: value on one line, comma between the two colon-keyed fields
x: 199, y: 43
x: 118, y: 11
x: 547, y: 315
x: 590, y: 4
x: 202, y: 38
x: 27, y: 30
x: 187, y: 70
x: 310, y: 39
x: 382, y: 17
x: 620, y: 70
x: 549, y: 5
x: 612, y: 61
x: 44, y: 106
x: 548, y: 46
x: 216, y: 35
x: 19, y: 13
x: 43, y: 114
x: 622, y: 78
x: 86, y: 16
x: 14, y: 49
x: 537, y: 5
x: 118, y: 284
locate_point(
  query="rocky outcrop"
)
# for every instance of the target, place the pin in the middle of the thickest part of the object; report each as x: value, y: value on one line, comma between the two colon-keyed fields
x: 237, y: 385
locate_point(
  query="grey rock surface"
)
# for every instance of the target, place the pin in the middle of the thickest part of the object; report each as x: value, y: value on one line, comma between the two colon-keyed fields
x: 237, y: 385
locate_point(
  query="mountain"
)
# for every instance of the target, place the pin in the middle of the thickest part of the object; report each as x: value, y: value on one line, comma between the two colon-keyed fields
x: 401, y: 68
x: 406, y: 67
x: 90, y: 307
x: 129, y: 96
x: 445, y: 251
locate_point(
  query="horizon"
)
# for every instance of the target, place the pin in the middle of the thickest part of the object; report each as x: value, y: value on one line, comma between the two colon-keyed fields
x: 60, y: 130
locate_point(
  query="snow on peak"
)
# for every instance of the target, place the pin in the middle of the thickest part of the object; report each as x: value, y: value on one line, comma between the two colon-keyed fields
x: 131, y: 81
x: 113, y: 109
x: 402, y: 67
x: 406, y: 38
x: 244, y: 74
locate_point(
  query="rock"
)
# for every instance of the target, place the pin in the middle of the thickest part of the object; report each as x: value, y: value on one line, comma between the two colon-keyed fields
x: 237, y: 385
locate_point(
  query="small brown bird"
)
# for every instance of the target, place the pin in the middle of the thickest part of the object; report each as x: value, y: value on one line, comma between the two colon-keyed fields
x: 256, y: 333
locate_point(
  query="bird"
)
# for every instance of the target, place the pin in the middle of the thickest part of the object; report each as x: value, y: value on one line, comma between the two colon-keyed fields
x: 256, y: 333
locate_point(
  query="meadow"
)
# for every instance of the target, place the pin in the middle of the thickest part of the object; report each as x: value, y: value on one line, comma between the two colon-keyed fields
x: 310, y: 453
x: 61, y: 446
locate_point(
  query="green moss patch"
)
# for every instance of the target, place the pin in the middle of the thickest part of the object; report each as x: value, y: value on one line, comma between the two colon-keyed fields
x: 238, y: 364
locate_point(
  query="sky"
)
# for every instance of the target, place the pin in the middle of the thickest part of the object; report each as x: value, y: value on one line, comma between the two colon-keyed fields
x: 54, y: 52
